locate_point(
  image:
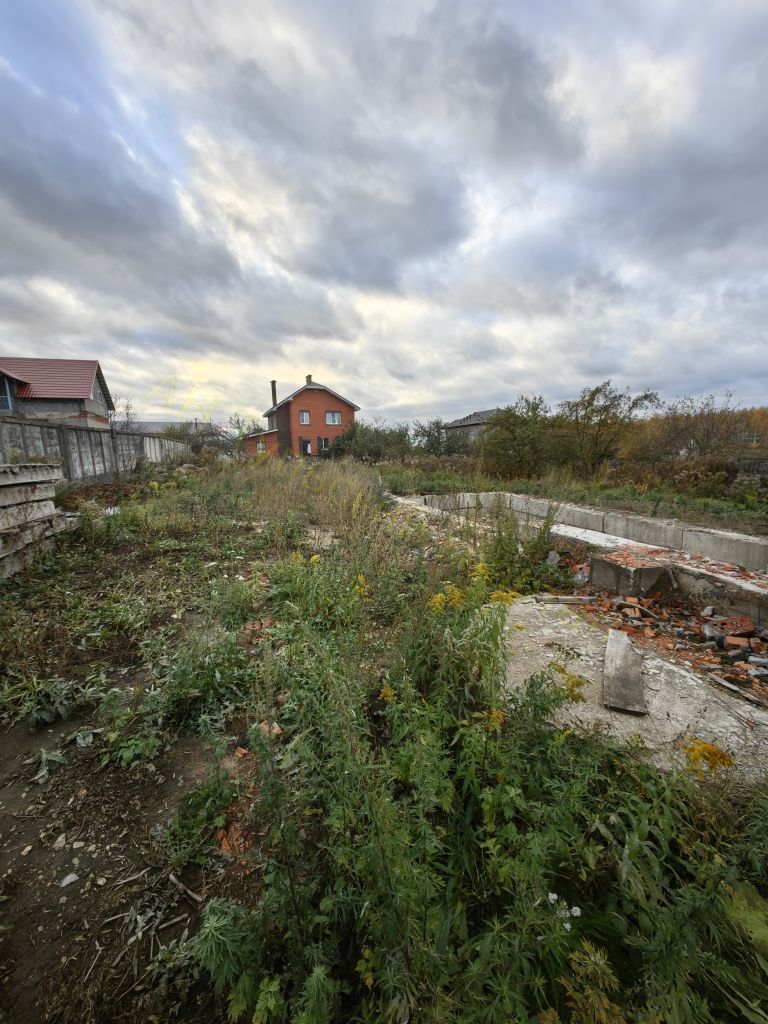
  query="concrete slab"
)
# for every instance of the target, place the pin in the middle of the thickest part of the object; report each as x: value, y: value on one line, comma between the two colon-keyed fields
x: 21, y: 493
x: 681, y: 703
x: 18, y: 515
x: 623, y: 675
x: 583, y: 518
x: 29, y: 472
x: 637, y: 580
x: 662, y: 533
x: 736, y: 548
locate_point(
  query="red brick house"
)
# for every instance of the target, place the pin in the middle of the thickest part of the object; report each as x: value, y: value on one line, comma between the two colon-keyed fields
x: 307, y: 422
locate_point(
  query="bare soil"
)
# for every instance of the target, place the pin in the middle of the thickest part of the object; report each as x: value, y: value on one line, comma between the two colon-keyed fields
x: 68, y: 952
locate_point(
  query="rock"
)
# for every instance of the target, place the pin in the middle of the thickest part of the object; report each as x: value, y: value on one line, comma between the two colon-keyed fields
x: 26, y: 850
x: 623, y: 675
x: 78, y: 846
x: 553, y: 558
x: 101, y: 881
x: 60, y: 842
x: 709, y: 611
x: 69, y: 879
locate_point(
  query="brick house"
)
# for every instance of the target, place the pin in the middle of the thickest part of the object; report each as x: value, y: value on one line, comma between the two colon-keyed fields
x: 307, y: 422
x: 59, y: 389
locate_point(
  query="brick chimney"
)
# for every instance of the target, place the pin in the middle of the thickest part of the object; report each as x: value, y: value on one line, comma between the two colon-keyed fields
x: 274, y: 391
x: 309, y: 378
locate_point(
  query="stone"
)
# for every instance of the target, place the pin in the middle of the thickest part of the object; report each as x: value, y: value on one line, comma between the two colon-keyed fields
x: 623, y: 675
x: 60, y: 842
x: 69, y: 879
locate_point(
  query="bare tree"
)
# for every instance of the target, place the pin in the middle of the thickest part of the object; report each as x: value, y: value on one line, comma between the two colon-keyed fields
x: 700, y: 426
x: 123, y: 416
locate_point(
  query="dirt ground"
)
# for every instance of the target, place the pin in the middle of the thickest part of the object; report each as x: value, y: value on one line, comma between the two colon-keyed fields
x: 70, y: 951
x: 681, y: 703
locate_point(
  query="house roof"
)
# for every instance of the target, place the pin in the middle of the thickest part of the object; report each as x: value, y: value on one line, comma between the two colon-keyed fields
x: 55, y: 378
x: 309, y: 387
x: 258, y: 433
x: 473, y: 419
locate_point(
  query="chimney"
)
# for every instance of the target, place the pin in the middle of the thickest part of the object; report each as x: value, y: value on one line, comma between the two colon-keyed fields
x: 274, y: 391
x: 309, y: 378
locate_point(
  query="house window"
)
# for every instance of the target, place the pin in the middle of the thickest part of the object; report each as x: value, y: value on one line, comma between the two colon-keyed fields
x: 304, y: 417
x: 6, y: 395
x: 324, y: 444
x: 332, y: 419
x: 261, y: 446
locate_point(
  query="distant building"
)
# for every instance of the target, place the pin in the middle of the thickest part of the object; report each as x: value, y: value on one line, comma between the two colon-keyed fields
x: 58, y: 389
x: 307, y: 422
x: 470, y: 427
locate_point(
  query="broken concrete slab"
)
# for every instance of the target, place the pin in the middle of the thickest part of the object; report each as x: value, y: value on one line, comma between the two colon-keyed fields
x: 623, y: 688
x: 637, y: 579
x: 681, y: 702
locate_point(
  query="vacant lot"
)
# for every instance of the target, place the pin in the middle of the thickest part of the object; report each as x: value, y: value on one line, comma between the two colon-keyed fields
x: 259, y: 763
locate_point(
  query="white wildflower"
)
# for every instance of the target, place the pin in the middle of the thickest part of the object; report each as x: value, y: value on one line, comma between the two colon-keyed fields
x: 552, y: 897
x: 567, y: 926
x: 575, y: 911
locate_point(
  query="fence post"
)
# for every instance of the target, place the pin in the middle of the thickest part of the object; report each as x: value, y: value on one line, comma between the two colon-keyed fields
x: 115, y: 449
x: 66, y: 454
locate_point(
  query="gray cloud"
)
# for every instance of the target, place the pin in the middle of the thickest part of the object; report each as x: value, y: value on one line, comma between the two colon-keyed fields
x: 434, y: 205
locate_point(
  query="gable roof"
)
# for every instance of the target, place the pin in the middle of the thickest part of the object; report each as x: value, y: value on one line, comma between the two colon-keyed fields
x: 55, y: 378
x: 309, y: 387
x: 474, y: 419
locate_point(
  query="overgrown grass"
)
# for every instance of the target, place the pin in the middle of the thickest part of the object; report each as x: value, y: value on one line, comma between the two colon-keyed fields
x: 431, y: 848
x: 435, y: 850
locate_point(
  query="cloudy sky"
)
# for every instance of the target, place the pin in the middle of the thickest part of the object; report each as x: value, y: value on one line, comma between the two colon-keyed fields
x: 431, y: 205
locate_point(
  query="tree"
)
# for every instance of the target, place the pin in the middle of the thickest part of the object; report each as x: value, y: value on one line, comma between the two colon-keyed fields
x: 517, y: 440
x: 123, y: 416
x: 374, y: 441
x: 431, y: 438
x: 599, y: 419
x: 691, y: 427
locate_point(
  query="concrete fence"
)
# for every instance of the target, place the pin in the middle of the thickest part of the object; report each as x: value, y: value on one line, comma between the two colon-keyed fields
x: 84, y: 453
x: 29, y: 521
x: 722, y: 546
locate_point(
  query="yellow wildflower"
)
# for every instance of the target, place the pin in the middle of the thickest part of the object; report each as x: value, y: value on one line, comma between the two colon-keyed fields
x: 700, y: 755
x: 361, y: 587
x: 453, y: 596
x: 436, y: 603
x: 314, y: 559
x: 504, y: 596
x: 481, y: 572
x: 387, y: 694
x: 495, y: 719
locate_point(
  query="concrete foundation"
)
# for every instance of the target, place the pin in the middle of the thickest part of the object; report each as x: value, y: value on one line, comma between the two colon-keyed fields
x: 719, y: 545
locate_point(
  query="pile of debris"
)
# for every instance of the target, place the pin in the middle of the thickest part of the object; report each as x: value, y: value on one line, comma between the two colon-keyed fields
x: 730, y: 648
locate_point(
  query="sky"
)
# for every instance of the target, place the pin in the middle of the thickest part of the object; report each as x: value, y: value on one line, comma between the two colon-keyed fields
x: 430, y: 205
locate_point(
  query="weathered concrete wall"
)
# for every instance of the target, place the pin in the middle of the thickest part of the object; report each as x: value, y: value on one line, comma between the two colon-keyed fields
x: 720, y: 545
x: 29, y: 521
x: 84, y: 453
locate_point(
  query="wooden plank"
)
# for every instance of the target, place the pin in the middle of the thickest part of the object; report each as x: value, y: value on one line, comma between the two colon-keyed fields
x: 25, y: 492
x: 623, y: 688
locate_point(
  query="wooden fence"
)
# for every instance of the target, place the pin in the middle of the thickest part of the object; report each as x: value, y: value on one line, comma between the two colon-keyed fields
x: 84, y: 453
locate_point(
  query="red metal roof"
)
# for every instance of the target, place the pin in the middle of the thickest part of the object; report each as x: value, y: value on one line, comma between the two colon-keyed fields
x: 54, y: 378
